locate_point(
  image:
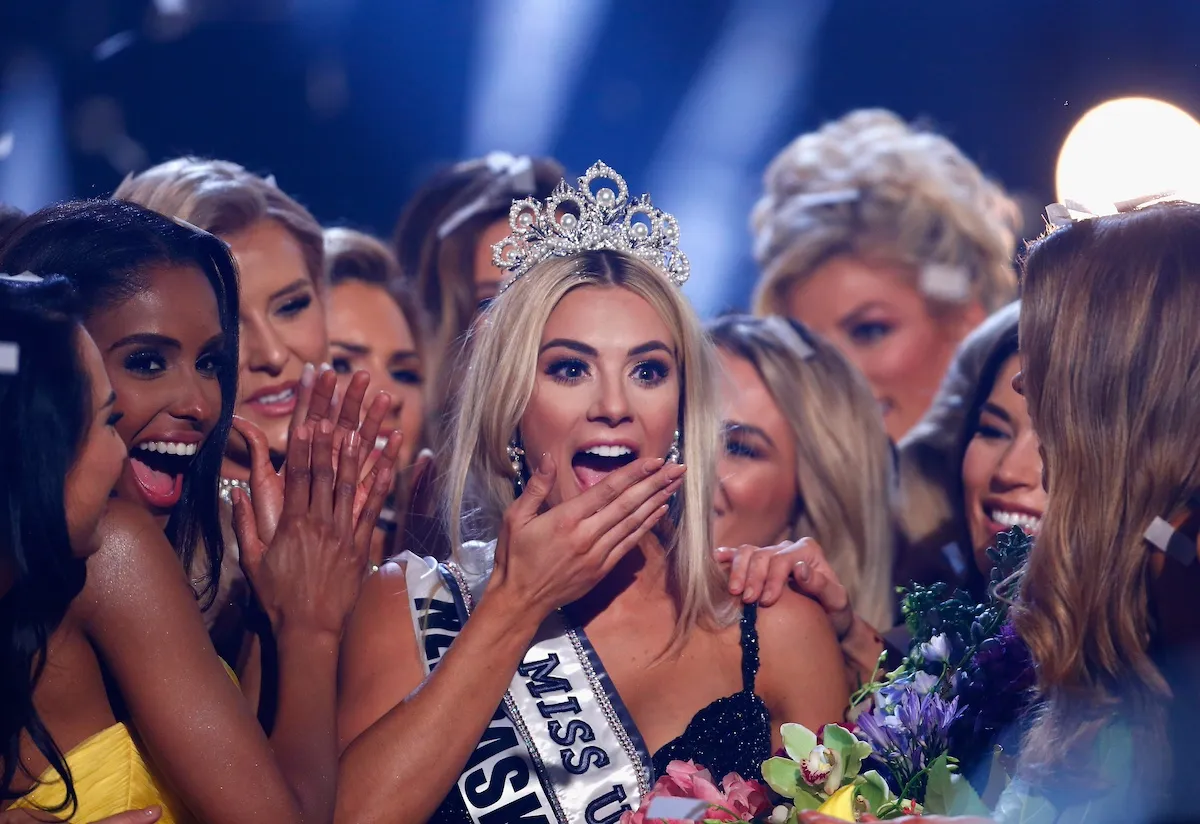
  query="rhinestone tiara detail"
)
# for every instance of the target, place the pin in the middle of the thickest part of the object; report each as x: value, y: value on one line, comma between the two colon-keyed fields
x: 589, y: 221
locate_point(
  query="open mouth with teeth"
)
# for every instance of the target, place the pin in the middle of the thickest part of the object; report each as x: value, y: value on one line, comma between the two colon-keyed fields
x: 591, y: 465
x: 158, y: 468
x: 1032, y: 524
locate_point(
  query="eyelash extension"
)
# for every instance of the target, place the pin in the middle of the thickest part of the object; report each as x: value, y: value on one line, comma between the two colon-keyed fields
x: 145, y: 362
x: 741, y: 450
x: 408, y: 376
x: 661, y: 369
x: 115, y: 418
x: 554, y: 370
x: 295, y: 306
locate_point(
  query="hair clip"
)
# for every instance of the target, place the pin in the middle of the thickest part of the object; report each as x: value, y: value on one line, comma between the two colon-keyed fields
x: 516, y: 178
x: 1171, y: 539
x: 942, y: 281
x: 10, y: 358
x: 24, y: 277
x: 1072, y: 211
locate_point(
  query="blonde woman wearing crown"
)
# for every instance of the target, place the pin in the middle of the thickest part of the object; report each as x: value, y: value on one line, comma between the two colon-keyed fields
x: 596, y: 629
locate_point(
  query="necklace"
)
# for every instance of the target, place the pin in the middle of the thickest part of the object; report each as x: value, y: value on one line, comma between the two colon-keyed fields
x: 228, y: 485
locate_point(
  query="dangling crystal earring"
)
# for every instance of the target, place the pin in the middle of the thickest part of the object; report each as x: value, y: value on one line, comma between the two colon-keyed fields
x: 516, y: 457
x: 673, y: 452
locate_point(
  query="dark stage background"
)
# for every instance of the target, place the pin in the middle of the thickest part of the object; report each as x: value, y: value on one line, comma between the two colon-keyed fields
x: 350, y: 103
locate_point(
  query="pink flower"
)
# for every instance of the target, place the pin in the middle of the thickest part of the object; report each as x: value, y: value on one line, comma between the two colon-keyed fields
x: 684, y: 779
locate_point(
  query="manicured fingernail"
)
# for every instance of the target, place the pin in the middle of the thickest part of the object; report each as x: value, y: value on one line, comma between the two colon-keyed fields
x: 652, y: 465
x: 352, y: 441
x: 307, y: 375
x: 327, y: 427
x: 803, y: 571
x: 150, y: 812
x: 325, y: 368
x: 425, y: 453
x: 676, y: 471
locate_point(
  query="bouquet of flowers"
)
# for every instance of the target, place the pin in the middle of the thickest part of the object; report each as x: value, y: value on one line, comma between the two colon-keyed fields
x: 951, y: 701
x: 947, y: 707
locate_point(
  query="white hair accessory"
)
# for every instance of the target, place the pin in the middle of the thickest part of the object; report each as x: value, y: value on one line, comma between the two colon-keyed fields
x: 603, y: 220
x: 516, y: 177
x: 24, y: 277
x: 942, y: 281
x: 1072, y: 211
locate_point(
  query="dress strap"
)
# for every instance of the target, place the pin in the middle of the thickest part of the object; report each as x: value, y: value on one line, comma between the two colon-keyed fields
x: 749, y: 646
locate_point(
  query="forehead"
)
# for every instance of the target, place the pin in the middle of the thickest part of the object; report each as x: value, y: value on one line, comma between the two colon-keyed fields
x: 607, y: 317
x: 845, y: 284
x: 268, y: 256
x: 745, y: 397
x: 175, y: 301
x: 365, y: 313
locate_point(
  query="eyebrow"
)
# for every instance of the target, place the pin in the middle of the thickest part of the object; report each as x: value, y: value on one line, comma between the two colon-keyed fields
x: 146, y: 338
x: 359, y: 349
x: 991, y: 408
x: 733, y: 427
x: 864, y: 308
x: 112, y: 400
x: 584, y: 349
x: 299, y: 283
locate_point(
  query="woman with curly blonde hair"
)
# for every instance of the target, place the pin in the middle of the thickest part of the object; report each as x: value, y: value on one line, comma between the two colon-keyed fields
x: 890, y: 243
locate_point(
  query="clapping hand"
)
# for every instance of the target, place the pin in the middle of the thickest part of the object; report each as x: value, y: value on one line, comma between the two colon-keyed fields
x: 316, y: 404
x: 310, y: 570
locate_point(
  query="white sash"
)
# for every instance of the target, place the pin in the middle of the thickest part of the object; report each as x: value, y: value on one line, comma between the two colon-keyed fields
x: 561, y: 747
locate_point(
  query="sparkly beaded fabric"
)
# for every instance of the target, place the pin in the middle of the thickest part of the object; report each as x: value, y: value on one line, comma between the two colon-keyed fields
x: 732, y: 734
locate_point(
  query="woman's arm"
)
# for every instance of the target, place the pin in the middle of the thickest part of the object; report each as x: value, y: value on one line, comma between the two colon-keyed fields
x: 802, y: 676
x: 140, y: 614
x: 398, y: 732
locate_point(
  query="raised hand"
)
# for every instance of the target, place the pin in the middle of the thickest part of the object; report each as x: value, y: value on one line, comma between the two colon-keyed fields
x: 555, y: 557
x: 310, y: 571
x: 315, y: 405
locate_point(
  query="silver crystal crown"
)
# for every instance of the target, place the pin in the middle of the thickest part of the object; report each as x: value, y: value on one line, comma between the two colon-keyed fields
x: 590, y: 221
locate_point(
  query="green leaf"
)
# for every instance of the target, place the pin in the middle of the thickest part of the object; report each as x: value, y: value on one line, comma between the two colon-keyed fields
x: 950, y: 794
x: 938, y: 790
x: 783, y: 776
x: 798, y: 740
x: 874, y: 790
x: 845, y: 745
x: 807, y: 801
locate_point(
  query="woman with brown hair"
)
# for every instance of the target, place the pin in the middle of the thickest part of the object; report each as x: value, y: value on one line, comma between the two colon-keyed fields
x: 888, y: 241
x: 1111, y: 353
x: 444, y: 240
x: 375, y: 325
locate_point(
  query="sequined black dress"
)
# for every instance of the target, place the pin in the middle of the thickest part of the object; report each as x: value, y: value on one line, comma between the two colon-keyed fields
x: 732, y: 734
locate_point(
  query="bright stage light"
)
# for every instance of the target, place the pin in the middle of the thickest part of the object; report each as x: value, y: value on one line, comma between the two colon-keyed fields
x: 1130, y: 148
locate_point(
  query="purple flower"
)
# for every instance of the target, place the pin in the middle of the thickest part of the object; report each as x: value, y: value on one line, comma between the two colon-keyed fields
x: 909, y: 733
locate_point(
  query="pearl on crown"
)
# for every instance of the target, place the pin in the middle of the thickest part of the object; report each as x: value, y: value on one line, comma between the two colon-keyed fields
x: 525, y: 220
x: 569, y: 222
x: 640, y: 231
x: 606, y: 197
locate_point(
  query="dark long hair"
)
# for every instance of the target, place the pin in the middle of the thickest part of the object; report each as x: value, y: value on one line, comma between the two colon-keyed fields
x: 45, y: 407
x: 105, y: 247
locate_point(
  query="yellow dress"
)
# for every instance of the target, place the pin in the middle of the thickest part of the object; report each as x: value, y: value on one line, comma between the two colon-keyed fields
x: 111, y: 775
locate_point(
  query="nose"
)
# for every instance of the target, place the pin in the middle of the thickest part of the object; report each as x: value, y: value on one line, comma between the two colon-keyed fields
x: 611, y: 404
x: 1021, y: 464
x: 261, y: 348
x: 193, y: 400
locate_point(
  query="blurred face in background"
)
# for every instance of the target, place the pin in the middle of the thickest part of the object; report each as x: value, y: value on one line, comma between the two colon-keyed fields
x: 488, y: 277
x: 368, y: 331
x: 874, y: 313
x: 282, y: 328
x: 757, y: 491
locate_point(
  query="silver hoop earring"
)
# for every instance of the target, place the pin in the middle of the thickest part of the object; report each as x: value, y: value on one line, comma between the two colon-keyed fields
x: 673, y: 452
x: 516, y: 459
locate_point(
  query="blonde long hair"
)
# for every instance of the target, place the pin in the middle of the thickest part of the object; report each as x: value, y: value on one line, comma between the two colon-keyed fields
x: 843, y: 457
x: 1111, y: 354
x: 499, y: 381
